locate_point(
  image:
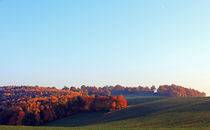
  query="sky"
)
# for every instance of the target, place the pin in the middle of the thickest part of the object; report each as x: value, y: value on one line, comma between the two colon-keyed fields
x: 105, y: 42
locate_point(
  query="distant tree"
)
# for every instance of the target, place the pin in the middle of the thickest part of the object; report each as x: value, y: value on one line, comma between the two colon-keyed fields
x: 65, y: 88
x: 30, y: 119
x: 153, y: 88
x: 178, y: 91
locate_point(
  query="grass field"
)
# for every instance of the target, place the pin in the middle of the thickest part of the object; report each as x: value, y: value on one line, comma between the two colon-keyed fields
x: 143, y: 112
x: 158, y: 113
x: 86, y: 128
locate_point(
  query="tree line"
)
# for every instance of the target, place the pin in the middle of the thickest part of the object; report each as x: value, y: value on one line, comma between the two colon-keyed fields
x: 28, y: 105
x: 163, y: 90
x: 178, y: 91
x: 35, y: 105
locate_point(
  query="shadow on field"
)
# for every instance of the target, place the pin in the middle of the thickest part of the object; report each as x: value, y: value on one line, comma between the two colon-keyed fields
x: 137, y: 111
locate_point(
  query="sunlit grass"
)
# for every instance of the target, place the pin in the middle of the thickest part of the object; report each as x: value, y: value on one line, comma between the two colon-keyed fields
x: 153, y: 113
x: 86, y: 128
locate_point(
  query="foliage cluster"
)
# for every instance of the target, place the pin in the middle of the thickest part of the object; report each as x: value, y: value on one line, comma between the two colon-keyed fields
x: 27, y: 105
x: 178, y: 91
x: 163, y: 90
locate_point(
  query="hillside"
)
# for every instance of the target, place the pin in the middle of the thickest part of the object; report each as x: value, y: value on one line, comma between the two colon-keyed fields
x: 28, y: 105
x: 147, y: 112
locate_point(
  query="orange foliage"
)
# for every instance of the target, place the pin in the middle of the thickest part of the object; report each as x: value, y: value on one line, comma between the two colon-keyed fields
x: 178, y: 91
x: 37, y: 105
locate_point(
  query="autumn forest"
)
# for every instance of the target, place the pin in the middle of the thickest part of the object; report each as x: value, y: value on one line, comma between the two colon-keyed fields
x: 35, y: 105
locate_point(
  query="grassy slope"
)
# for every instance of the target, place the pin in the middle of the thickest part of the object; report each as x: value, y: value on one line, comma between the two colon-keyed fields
x: 173, y: 112
x: 158, y: 112
x: 147, y: 112
x: 88, y: 128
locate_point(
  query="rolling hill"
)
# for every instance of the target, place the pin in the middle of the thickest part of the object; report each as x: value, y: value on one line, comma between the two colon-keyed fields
x: 143, y: 112
x: 147, y: 112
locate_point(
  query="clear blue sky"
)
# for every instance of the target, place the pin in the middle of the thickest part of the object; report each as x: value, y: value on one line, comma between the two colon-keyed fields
x: 105, y: 42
